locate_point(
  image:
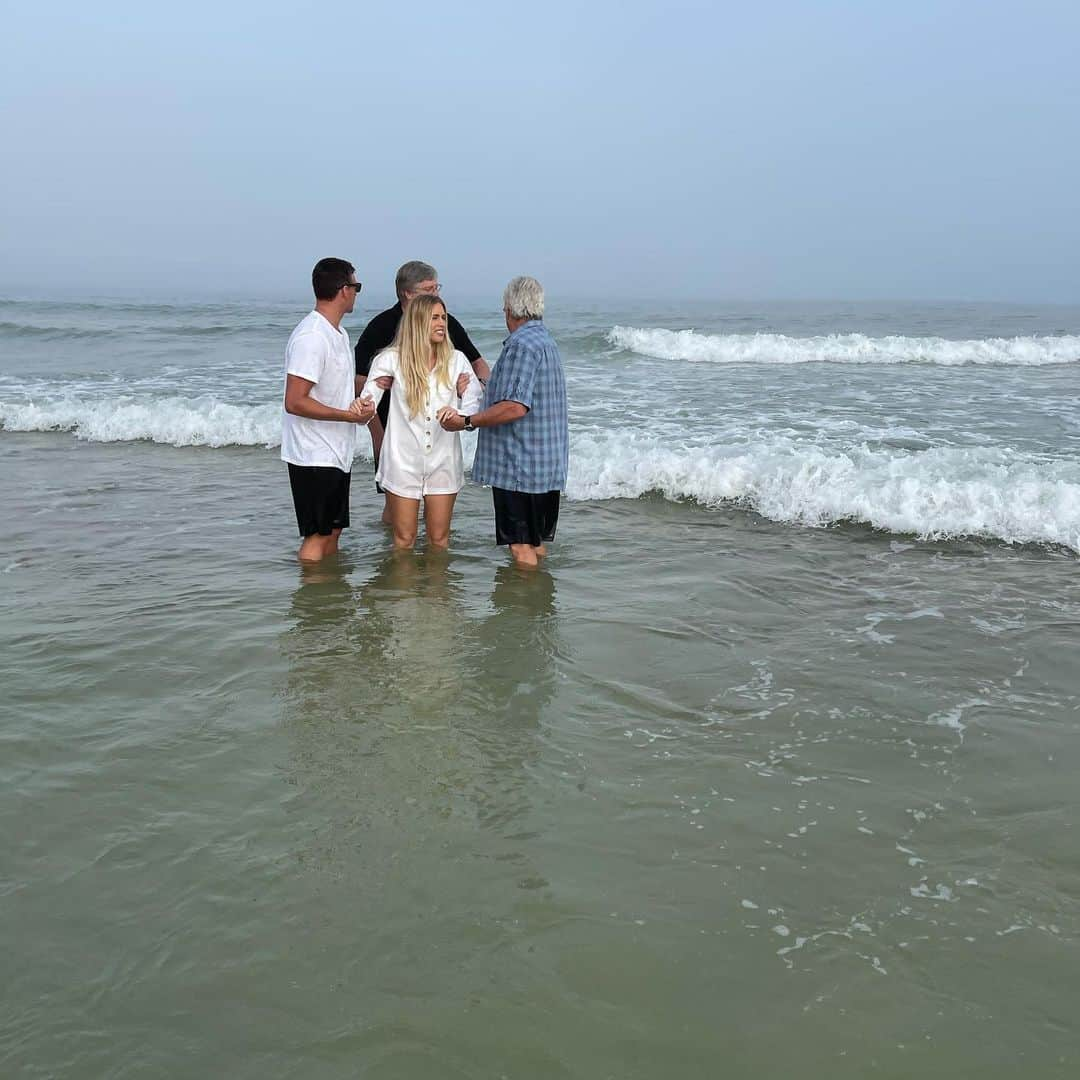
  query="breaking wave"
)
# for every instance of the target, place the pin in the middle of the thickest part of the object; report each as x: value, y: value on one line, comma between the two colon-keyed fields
x: 938, y: 493
x: 935, y: 492
x: 689, y: 345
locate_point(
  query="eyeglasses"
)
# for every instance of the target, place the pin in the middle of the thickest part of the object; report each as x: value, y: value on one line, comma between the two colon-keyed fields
x: 429, y: 290
x: 357, y: 285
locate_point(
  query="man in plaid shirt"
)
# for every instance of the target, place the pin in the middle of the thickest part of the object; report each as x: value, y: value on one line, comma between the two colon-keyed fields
x: 523, y: 445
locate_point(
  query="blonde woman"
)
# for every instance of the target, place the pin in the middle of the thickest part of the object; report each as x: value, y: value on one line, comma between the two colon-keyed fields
x: 419, y: 460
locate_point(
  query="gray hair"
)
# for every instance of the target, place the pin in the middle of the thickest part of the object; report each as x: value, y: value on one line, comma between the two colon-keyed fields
x: 411, y: 274
x: 524, y: 298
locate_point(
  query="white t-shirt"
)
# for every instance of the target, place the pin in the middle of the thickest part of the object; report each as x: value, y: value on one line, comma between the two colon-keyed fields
x: 418, y: 457
x: 319, y: 353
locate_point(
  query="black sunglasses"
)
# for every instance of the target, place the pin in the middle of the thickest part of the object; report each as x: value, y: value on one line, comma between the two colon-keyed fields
x: 357, y: 285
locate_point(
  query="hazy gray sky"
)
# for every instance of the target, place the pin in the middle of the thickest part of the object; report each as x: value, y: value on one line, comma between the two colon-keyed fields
x: 778, y: 150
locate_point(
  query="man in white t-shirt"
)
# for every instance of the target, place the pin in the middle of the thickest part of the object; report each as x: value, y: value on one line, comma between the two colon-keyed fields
x: 318, y: 431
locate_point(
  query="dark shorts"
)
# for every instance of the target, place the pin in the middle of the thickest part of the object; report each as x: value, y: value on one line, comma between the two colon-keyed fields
x: 523, y: 518
x: 321, y: 498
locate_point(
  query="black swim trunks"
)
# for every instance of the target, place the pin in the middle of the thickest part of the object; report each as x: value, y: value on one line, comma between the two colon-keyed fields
x: 321, y: 498
x: 525, y: 518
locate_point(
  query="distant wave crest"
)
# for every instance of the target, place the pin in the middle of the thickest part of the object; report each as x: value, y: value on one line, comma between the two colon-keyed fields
x: 842, y: 348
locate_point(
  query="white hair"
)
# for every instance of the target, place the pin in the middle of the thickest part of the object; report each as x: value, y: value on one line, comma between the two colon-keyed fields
x: 524, y: 298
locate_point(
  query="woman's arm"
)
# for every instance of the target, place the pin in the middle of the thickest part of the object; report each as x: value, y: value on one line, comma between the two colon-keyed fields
x: 382, y: 365
x: 474, y: 392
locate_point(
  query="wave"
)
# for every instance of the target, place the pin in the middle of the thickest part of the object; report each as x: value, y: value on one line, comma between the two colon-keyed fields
x: 174, y: 421
x: 933, y: 493
x: 17, y: 331
x: 689, y: 345
x: 61, y: 333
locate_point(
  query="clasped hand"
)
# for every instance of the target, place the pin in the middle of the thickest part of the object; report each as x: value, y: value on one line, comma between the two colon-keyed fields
x: 363, y: 409
x: 450, y: 419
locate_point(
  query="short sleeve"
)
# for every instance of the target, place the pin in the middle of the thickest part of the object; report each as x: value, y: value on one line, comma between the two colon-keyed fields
x: 307, y: 356
x: 383, y: 364
x: 519, y: 375
x: 376, y: 336
x: 470, y: 400
x: 366, y: 348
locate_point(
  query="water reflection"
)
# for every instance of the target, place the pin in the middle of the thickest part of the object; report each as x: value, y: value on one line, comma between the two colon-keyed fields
x: 415, y: 700
x: 414, y: 639
x: 512, y: 680
x: 320, y: 644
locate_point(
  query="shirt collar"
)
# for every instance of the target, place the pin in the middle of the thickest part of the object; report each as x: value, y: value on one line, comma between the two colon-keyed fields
x: 520, y: 328
x: 327, y: 323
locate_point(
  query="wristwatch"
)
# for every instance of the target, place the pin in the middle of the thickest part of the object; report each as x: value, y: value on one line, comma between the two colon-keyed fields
x: 469, y: 424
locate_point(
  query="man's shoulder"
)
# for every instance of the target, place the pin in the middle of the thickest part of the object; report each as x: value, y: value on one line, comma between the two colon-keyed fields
x: 313, y: 334
x: 535, y: 337
x: 315, y: 323
x: 310, y: 326
x: 388, y: 318
x: 536, y: 330
x: 306, y: 324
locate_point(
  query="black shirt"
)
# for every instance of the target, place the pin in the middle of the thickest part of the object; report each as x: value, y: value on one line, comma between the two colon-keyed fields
x: 381, y: 330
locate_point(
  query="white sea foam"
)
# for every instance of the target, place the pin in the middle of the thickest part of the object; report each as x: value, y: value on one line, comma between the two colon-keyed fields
x: 175, y: 421
x: 843, y: 348
x: 934, y: 494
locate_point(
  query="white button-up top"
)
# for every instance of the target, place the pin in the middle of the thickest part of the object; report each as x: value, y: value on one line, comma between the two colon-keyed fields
x: 418, y: 457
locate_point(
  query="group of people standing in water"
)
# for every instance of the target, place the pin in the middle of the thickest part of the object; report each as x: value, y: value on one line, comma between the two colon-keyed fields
x: 416, y: 380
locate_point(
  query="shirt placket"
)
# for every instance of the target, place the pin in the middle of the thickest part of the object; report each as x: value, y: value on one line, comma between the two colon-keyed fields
x: 430, y: 411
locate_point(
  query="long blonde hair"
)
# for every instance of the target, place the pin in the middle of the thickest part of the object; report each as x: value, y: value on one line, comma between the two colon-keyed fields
x: 413, y: 345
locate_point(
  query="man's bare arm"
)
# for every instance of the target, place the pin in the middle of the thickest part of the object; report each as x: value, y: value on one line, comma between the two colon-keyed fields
x: 299, y: 402
x: 502, y: 412
x: 480, y: 367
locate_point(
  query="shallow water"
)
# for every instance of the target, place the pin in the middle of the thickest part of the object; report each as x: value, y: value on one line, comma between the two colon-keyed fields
x: 710, y: 795
x: 933, y: 421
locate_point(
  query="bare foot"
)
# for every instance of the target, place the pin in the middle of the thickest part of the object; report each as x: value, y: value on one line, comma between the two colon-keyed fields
x: 523, y: 554
x: 311, y: 550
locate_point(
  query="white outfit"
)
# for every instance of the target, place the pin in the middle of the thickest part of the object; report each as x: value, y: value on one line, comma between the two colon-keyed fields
x: 418, y: 457
x: 319, y: 353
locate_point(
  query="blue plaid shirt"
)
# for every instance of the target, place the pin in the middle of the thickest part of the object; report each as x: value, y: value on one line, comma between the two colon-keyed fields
x: 529, y: 454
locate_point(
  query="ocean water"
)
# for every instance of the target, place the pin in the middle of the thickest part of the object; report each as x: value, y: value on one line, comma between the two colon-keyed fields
x: 770, y: 771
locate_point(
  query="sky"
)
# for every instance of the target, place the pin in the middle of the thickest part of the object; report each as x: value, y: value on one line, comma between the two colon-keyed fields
x: 781, y: 150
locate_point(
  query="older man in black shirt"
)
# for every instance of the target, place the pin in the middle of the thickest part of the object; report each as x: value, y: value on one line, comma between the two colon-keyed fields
x: 412, y: 279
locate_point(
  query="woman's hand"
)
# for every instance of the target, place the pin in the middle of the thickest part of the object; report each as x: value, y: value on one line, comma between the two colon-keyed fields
x: 450, y: 419
x: 363, y: 408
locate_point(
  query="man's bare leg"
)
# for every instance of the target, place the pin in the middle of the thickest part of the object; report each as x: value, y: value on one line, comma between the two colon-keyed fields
x: 316, y: 547
x: 332, y: 543
x: 524, y: 555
